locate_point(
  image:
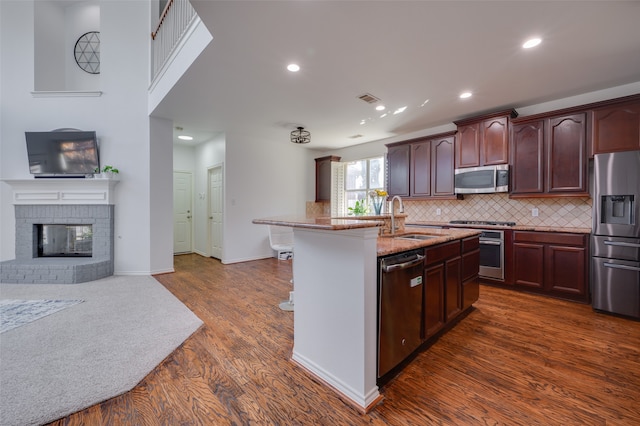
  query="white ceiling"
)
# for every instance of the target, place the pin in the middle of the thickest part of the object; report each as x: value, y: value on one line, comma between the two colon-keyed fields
x: 403, y: 52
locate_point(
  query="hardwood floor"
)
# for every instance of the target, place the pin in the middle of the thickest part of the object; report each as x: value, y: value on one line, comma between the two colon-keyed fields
x: 516, y: 359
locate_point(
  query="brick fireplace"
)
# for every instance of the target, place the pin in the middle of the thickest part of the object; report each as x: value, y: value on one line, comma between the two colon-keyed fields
x: 75, y: 202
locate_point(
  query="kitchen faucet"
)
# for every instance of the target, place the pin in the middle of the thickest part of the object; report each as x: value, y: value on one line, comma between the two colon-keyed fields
x: 393, y: 215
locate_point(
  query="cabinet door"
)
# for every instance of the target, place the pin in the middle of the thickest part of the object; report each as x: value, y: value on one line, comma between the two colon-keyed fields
x: 453, y: 288
x: 323, y: 180
x: 468, y: 146
x: 616, y: 128
x: 398, y: 170
x: 421, y: 169
x: 495, y: 141
x: 442, y: 166
x: 471, y: 282
x: 529, y: 265
x: 566, y: 267
x: 527, y: 158
x: 567, y: 154
x: 433, y: 315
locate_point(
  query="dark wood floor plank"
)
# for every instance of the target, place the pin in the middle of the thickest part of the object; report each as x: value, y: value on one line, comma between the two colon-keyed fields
x: 516, y: 359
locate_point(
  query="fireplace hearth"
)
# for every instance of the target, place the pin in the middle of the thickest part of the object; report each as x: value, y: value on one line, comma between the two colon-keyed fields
x: 77, y: 208
x: 77, y: 244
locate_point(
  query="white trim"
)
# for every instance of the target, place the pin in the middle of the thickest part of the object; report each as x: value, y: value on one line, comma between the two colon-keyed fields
x: 66, y: 93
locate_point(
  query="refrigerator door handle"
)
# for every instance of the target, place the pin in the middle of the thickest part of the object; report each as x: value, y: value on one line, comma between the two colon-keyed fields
x: 621, y: 244
x: 616, y: 266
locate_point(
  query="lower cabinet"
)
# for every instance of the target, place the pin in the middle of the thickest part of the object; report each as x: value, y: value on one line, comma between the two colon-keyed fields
x: 553, y: 263
x: 451, y: 282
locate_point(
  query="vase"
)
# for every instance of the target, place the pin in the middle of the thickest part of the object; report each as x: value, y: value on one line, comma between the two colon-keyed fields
x: 377, y: 207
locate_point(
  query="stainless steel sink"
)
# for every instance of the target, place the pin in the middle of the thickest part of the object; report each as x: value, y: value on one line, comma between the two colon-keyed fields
x: 416, y: 237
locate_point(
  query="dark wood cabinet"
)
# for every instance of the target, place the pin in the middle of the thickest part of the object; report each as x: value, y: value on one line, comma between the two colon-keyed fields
x: 527, y: 158
x: 616, y: 127
x: 567, y: 154
x: 442, y: 166
x: 553, y: 263
x: 484, y: 140
x: 433, y: 299
x: 549, y: 156
x: 398, y: 169
x: 451, y: 282
x: 468, y: 145
x: 422, y: 168
x: 469, y: 271
x: 323, y: 177
x: 453, y: 288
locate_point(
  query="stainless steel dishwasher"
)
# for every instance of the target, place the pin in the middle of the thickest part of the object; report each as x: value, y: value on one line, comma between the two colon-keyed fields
x: 399, y: 308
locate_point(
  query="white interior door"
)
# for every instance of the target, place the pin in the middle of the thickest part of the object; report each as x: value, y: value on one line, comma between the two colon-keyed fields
x: 182, y: 212
x: 215, y: 211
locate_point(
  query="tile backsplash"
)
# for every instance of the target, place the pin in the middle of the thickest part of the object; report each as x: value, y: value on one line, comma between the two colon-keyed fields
x: 573, y: 212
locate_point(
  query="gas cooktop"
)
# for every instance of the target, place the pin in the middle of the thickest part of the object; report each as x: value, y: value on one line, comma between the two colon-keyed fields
x: 481, y: 222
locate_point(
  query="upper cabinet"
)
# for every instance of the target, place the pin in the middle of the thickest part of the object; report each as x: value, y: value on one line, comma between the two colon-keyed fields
x: 616, y: 127
x: 422, y: 168
x: 323, y: 177
x: 483, y: 140
x: 549, y: 156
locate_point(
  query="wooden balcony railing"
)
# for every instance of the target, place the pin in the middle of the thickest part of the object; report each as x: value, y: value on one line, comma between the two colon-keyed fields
x: 174, y: 21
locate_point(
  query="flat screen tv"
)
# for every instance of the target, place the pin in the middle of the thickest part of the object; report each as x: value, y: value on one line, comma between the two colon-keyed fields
x: 69, y: 153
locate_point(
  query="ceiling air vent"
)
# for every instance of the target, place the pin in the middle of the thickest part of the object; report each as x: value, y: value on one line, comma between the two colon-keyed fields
x: 369, y: 98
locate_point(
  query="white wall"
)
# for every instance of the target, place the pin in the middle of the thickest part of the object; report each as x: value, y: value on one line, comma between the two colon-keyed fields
x: 119, y: 117
x: 264, y: 176
x: 184, y: 158
x: 49, y: 46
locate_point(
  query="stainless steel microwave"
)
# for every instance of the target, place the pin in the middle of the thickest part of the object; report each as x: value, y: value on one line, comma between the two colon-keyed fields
x: 482, y: 180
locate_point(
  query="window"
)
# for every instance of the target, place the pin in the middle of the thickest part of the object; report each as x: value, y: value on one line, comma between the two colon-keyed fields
x: 360, y: 177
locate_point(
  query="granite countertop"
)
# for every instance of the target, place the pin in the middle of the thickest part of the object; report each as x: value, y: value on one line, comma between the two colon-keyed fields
x: 515, y: 228
x: 317, y: 222
x: 389, y: 245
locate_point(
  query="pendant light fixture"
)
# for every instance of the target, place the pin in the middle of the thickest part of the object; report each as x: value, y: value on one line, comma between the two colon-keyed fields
x: 300, y: 136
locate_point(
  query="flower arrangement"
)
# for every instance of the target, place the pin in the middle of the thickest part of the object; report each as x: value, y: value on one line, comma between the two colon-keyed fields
x: 360, y: 208
x: 377, y: 197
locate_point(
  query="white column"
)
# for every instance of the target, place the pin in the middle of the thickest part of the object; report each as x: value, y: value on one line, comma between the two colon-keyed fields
x: 335, y: 309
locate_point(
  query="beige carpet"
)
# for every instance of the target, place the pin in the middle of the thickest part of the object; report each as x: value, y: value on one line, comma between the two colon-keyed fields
x: 88, y: 352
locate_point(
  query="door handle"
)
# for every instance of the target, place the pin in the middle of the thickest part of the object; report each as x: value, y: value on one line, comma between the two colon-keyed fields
x: 405, y: 265
x: 621, y: 244
x: 625, y: 267
x: 490, y: 243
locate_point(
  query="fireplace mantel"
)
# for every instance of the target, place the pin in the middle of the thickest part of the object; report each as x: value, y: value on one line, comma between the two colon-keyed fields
x: 63, y: 191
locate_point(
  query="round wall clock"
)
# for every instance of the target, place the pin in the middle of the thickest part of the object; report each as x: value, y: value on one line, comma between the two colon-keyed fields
x: 87, y: 52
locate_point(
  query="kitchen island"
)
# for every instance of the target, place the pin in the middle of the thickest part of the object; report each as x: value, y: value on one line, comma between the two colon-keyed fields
x: 335, y: 283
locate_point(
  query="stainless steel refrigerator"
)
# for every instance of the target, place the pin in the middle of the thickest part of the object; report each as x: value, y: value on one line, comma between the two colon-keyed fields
x: 615, y: 248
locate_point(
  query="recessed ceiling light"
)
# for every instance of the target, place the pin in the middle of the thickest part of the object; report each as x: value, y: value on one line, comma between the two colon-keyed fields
x: 185, y: 137
x: 383, y: 115
x: 380, y: 108
x: 399, y: 110
x: 293, y: 67
x: 465, y: 95
x: 363, y: 122
x: 532, y: 42
x: 424, y: 103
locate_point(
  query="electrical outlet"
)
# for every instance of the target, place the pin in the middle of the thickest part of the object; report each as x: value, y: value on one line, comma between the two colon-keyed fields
x: 438, y: 212
x: 534, y: 212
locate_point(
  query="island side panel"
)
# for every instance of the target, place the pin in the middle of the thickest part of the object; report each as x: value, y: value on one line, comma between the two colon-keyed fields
x: 335, y: 312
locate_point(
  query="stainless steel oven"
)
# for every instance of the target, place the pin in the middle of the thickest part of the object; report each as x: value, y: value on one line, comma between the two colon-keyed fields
x: 492, y: 254
x: 491, y: 247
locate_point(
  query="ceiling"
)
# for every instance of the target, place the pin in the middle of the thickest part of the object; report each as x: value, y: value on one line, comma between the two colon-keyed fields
x: 418, y: 54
